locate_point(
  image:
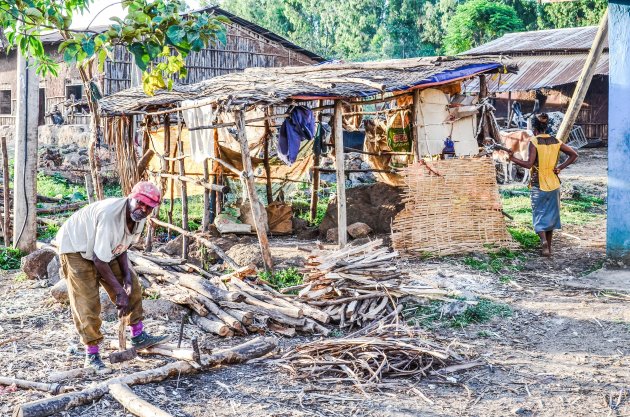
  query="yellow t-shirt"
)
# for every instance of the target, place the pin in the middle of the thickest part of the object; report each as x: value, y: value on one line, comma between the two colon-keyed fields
x: 547, y: 160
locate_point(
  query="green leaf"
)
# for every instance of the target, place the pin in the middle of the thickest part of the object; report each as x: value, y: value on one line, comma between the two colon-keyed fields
x: 222, y: 36
x: 139, y: 52
x: 154, y: 49
x: 175, y: 34
x: 33, y: 13
x: 70, y: 53
x: 88, y: 46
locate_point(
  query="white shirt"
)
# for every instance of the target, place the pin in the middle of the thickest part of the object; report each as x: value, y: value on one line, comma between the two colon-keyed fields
x: 99, y: 229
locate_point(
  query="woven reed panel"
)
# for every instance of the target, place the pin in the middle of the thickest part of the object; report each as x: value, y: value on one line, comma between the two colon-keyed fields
x: 451, y: 207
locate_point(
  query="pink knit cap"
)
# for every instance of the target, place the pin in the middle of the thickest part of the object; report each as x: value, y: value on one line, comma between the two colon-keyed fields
x: 146, y: 192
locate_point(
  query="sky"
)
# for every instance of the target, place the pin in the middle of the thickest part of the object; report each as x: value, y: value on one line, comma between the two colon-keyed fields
x: 102, y: 10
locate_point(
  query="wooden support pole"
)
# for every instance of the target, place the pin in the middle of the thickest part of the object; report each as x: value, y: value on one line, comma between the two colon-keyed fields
x: 316, y: 178
x: 584, y: 82
x: 134, y: 404
x: 509, y: 112
x: 25, y: 170
x: 89, y: 188
x: 205, y: 222
x: 341, y: 175
x: 417, y: 123
x: 267, y: 140
x: 5, y: 187
x: 184, y: 199
x: 261, y: 229
x: 483, y: 93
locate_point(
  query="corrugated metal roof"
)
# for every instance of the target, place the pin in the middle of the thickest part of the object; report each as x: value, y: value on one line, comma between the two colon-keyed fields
x: 543, y: 71
x: 553, y: 40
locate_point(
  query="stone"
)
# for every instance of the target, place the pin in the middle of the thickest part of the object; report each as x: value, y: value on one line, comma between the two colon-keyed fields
x: 332, y: 235
x: 35, y: 265
x: 299, y: 225
x: 54, y: 271
x: 59, y: 291
x: 358, y: 230
x: 246, y: 253
x: 308, y: 234
x: 173, y: 247
x: 161, y: 308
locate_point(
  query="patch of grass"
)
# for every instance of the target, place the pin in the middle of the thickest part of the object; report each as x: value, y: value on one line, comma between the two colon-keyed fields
x: 528, y: 239
x: 505, y: 278
x: 496, y: 262
x: 195, y: 211
x: 55, y: 185
x: 430, y: 315
x: 48, y: 232
x: 282, y: 278
x: 10, y: 258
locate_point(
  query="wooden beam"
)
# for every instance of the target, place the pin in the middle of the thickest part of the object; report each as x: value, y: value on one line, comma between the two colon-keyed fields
x: 205, y: 223
x: 5, y: 187
x: 341, y: 175
x: 315, y: 184
x: 267, y: 139
x: 417, y: 123
x: 584, y: 82
x: 184, y: 194
x: 261, y: 229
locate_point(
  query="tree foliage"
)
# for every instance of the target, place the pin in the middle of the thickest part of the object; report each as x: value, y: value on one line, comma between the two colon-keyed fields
x: 571, y: 14
x: 154, y: 31
x: 479, y: 21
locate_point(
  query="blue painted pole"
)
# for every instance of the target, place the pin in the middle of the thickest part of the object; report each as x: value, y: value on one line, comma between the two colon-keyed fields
x: 618, y: 220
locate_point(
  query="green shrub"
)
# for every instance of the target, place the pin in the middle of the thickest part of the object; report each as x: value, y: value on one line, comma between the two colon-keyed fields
x: 282, y: 278
x: 10, y: 258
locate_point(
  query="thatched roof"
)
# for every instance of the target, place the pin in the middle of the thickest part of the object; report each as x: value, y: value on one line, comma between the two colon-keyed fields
x: 275, y: 86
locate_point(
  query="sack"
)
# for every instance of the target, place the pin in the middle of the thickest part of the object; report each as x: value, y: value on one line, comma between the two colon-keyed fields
x: 399, y: 136
x: 279, y: 217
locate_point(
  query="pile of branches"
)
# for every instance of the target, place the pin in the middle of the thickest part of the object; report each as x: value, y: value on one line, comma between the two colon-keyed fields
x: 359, y: 284
x: 373, y: 354
x: 227, y: 305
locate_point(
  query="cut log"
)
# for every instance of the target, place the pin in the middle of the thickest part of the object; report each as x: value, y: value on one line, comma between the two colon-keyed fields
x: 48, y: 406
x: 134, y: 404
x: 264, y: 299
x: 78, y: 373
x: 144, y: 162
x: 162, y: 274
x: 211, y: 324
x: 274, y: 314
x: 61, y: 208
x: 240, y: 273
x: 137, y: 258
x: 245, y: 317
x: 206, y: 289
x: 221, y: 314
x: 170, y: 351
x: 40, y: 386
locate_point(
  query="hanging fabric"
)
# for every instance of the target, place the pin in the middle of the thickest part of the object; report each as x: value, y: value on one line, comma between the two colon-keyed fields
x: 299, y: 126
x: 201, y: 140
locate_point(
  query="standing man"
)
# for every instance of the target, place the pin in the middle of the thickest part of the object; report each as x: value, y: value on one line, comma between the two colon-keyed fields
x: 93, y: 246
x: 544, y: 151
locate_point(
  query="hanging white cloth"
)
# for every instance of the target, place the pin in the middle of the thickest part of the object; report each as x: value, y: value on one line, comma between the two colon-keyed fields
x: 201, y: 140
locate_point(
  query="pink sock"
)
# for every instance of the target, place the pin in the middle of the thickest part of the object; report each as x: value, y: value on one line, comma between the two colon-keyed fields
x: 92, y: 349
x: 136, y: 329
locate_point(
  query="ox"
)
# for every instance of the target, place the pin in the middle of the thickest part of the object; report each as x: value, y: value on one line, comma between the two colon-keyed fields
x: 518, y: 142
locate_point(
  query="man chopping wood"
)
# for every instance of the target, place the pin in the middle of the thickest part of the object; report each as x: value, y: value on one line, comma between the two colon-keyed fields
x: 93, y: 246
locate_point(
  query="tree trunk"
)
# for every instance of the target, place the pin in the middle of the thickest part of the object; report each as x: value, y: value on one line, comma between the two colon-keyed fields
x: 134, y: 404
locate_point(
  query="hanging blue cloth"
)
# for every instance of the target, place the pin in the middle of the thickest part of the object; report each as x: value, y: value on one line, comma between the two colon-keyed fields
x: 299, y: 126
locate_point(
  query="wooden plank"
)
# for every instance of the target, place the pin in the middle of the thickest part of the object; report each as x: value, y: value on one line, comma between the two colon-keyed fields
x: 584, y: 82
x: 261, y: 230
x: 417, y: 123
x: 205, y: 223
x: 184, y: 194
x: 341, y: 176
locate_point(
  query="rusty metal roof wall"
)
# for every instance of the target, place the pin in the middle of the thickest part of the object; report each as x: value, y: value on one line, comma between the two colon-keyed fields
x: 542, y: 71
x: 553, y: 40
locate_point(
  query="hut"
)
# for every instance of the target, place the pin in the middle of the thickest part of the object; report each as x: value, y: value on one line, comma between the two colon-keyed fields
x: 228, y: 121
x: 550, y: 63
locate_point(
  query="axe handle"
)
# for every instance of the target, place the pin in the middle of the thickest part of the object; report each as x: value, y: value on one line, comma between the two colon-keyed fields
x: 122, y: 340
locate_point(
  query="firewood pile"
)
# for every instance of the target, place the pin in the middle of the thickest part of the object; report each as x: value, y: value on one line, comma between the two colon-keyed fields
x: 374, y: 354
x: 347, y: 288
x: 227, y: 305
x: 359, y: 284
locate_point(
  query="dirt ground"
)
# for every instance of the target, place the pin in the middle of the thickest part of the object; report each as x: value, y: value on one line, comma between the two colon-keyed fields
x: 563, y: 352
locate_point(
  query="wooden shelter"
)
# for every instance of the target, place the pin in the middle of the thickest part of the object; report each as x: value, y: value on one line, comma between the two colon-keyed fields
x: 236, y: 103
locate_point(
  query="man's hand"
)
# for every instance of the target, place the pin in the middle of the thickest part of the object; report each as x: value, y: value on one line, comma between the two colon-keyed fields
x: 122, y: 304
x: 128, y: 284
